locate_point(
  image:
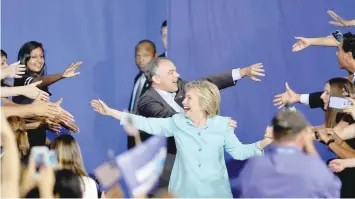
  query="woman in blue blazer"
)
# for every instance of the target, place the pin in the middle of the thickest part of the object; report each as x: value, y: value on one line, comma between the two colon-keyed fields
x: 201, y: 137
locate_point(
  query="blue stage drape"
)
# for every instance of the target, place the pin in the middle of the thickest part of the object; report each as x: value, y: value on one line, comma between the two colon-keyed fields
x: 205, y: 37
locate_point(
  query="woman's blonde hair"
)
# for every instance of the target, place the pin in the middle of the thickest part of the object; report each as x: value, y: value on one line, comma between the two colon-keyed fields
x: 337, y: 85
x: 69, y: 155
x: 208, y: 95
x: 18, y: 125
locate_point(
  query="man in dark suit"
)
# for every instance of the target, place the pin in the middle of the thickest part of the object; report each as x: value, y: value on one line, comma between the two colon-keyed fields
x: 145, y: 52
x: 346, y: 59
x: 166, y: 93
x: 164, y: 37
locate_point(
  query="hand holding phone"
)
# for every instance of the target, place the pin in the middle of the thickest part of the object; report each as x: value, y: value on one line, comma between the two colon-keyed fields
x: 43, y: 157
x: 339, y: 103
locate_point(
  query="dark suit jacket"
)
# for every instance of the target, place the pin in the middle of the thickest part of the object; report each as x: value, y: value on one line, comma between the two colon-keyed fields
x: 315, y: 101
x: 151, y: 104
x: 143, y: 90
x: 162, y: 55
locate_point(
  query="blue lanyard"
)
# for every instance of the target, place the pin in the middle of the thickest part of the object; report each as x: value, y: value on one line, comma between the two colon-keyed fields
x: 284, y: 150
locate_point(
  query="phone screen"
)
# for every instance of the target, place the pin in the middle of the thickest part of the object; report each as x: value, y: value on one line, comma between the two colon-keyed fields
x: 40, y: 161
x: 337, y: 35
x: 339, y: 103
x: 53, y: 159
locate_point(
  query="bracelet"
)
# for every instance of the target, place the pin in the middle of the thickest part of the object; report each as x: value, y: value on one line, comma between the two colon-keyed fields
x: 330, y: 141
x: 336, y: 136
x: 268, y: 137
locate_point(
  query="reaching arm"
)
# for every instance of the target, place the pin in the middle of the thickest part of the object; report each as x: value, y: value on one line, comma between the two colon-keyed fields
x: 30, y: 110
x: 155, y: 126
x: 347, y: 132
x: 222, y: 80
x: 338, y: 21
x: 33, y: 125
x: 342, y: 151
x: 323, y: 41
x: 303, y: 42
x: 51, y: 79
x: 238, y: 150
x: 228, y: 78
x: 291, y: 97
x: 48, y: 79
x: 10, y: 162
x: 30, y: 91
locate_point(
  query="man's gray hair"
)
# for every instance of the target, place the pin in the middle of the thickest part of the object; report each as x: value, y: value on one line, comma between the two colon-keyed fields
x: 151, y: 68
x: 288, y: 123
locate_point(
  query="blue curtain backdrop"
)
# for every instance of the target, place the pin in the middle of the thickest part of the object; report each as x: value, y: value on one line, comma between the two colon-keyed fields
x: 103, y: 35
x: 205, y: 37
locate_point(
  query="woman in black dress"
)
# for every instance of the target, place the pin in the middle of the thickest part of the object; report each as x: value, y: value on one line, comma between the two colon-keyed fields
x: 31, y: 54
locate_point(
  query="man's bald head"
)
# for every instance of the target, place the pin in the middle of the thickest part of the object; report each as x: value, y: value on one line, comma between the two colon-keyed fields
x: 145, y: 52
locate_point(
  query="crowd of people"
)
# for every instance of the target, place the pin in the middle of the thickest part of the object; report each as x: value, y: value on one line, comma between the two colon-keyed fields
x: 284, y: 163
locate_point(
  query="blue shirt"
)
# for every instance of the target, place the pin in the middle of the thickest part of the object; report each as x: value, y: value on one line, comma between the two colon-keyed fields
x: 285, y: 172
x: 199, y: 168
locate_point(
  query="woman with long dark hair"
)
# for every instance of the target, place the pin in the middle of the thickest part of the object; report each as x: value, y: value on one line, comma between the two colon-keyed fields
x: 31, y: 54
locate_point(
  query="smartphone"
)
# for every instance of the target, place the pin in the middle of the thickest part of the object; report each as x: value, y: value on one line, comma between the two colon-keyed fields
x: 39, y: 153
x: 337, y: 35
x: 43, y: 156
x: 53, y: 159
x: 339, y: 103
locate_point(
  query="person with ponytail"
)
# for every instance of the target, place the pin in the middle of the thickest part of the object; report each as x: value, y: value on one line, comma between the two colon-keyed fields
x: 18, y: 126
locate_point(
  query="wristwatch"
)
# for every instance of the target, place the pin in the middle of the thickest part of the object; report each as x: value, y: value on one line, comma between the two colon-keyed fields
x: 330, y: 141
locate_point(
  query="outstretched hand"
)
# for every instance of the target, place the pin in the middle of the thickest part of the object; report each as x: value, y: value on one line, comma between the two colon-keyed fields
x: 253, y: 71
x: 100, y: 107
x: 300, y: 44
x: 15, y: 70
x: 35, y: 93
x: 288, y: 97
x: 70, y: 72
x: 338, y: 21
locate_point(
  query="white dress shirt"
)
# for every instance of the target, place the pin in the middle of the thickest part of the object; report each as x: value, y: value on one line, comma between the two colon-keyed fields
x: 139, y: 84
x: 170, y: 97
x: 304, y: 99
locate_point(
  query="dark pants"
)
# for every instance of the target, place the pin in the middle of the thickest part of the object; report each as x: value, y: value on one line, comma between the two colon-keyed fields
x: 168, y: 167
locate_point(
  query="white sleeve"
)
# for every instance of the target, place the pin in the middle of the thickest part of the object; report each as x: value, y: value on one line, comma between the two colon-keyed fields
x: 236, y: 74
x: 304, y: 99
x: 89, y: 188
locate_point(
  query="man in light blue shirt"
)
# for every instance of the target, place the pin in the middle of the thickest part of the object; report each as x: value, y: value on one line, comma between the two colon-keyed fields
x: 291, y: 167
